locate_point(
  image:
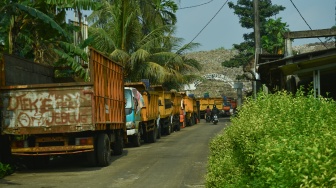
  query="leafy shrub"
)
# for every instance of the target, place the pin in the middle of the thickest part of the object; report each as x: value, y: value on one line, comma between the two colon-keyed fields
x: 277, y: 140
x: 5, y: 169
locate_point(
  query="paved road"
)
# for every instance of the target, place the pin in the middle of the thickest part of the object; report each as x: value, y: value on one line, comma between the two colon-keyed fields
x: 175, y: 161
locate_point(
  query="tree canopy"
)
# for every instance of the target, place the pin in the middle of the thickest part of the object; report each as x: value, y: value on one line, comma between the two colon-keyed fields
x: 138, y: 34
x: 270, y: 31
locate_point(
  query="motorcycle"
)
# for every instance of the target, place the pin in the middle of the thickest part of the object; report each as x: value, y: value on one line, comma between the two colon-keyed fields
x: 215, y: 119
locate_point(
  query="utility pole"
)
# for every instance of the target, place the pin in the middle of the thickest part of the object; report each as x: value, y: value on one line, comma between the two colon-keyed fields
x: 257, y: 45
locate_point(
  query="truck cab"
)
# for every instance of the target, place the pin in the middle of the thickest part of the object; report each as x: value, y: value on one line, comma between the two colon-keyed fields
x: 133, y: 104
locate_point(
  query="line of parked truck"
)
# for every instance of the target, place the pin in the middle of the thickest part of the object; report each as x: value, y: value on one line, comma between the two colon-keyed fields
x: 43, y: 116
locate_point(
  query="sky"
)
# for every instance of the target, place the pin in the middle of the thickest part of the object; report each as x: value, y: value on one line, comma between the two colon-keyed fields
x: 224, y: 29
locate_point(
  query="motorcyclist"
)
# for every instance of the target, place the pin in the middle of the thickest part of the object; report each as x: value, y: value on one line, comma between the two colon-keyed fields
x: 214, y: 111
x: 208, y: 112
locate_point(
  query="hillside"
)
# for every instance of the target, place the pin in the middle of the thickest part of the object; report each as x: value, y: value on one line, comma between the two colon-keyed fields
x: 217, y: 76
x: 218, y: 79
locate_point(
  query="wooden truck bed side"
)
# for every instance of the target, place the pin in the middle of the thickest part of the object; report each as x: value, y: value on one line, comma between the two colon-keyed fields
x: 67, y: 107
x: 40, y: 110
x: 51, y: 117
x: 108, y: 80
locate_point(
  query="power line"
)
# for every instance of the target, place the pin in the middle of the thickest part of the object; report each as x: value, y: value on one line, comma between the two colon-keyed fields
x: 207, y: 23
x: 196, y: 5
x: 177, y: 53
x: 307, y: 23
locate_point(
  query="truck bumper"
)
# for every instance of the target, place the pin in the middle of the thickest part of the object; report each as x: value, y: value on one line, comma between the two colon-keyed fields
x: 131, y: 132
x: 52, y: 150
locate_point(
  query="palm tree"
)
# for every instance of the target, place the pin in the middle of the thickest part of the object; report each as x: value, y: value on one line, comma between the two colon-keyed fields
x: 157, y: 13
x: 152, y: 53
x: 37, y: 30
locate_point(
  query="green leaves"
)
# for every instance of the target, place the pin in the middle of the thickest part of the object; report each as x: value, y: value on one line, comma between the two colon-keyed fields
x: 75, y: 4
x: 273, y: 41
x: 277, y: 140
x: 5, y: 169
x: 43, y: 17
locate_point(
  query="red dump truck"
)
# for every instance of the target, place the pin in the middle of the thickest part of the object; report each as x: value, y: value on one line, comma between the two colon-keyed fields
x: 41, y: 117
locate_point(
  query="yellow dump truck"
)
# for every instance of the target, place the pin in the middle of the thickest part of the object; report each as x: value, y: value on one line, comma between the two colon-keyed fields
x: 142, y: 112
x: 165, y: 110
x: 190, y: 110
x: 204, y: 102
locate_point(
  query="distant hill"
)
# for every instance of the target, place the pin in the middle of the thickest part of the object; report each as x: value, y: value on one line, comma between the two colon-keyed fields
x: 211, y: 62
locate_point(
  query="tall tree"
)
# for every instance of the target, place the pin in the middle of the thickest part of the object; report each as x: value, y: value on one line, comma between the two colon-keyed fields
x: 135, y: 38
x: 244, y: 10
x: 37, y: 30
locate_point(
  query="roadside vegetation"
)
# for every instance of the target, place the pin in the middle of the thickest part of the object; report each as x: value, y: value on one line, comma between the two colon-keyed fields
x: 5, y: 169
x: 277, y: 140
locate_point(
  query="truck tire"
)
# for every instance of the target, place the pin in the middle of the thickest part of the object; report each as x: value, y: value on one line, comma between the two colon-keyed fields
x: 159, y: 132
x: 145, y: 135
x: 118, y: 146
x: 192, y: 120
x: 168, y: 129
x: 152, y: 135
x: 136, y: 140
x: 104, y: 157
x: 178, y: 126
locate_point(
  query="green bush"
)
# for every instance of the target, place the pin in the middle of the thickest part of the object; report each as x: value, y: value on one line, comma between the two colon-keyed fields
x: 277, y: 140
x: 5, y: 169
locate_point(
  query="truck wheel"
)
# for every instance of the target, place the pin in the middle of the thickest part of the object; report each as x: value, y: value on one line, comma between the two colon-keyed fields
x: 136, y: 140
x: 178, y: 126
x: 192, y: 120
x: 168, y: 129
x: 159, y: 132
x: 145, y: 134
x: 152, y: 135
x: 118, y: 146
x: 104, y: 157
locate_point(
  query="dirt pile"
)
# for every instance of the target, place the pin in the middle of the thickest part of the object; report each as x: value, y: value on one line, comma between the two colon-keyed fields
x: 217, y: 80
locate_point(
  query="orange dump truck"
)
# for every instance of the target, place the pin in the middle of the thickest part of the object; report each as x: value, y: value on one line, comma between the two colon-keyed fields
x: 165, y: 110
x: 190, y: 109
x: 229, y: 105
x: 41, y: 117
x: 141, y: 119
x: 204, y: 102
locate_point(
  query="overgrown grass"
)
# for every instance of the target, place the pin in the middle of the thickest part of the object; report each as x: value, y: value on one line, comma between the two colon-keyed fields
x: 277, y: 140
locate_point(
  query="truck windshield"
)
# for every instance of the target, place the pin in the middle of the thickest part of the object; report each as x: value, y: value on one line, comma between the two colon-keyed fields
x: 128, y: 98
